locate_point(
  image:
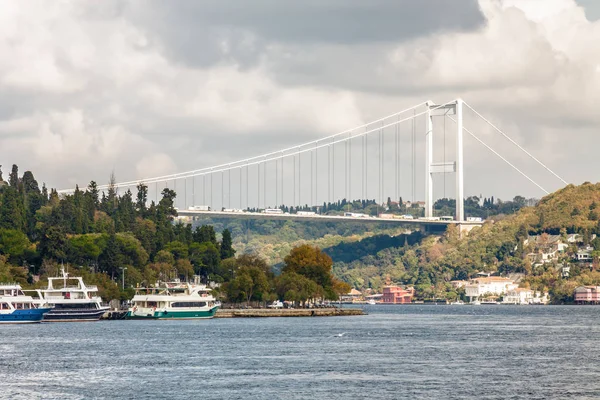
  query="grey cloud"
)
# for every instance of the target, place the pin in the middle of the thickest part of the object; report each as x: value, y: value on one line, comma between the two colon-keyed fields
x: 193, y: 32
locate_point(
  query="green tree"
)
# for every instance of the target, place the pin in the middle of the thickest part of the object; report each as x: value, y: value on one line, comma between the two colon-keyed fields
x: 250, y: 283
x: 227, y: 250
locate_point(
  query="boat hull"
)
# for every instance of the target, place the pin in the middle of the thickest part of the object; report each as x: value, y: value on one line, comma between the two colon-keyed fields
x: 169, y: 314
x: 74, y: 315
x: 31, y: 316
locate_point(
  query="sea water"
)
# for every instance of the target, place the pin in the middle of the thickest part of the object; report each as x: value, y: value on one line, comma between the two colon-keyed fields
x: 394, y: 352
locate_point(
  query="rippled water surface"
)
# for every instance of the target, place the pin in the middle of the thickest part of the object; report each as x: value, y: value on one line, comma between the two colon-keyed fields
x: 413, y: 352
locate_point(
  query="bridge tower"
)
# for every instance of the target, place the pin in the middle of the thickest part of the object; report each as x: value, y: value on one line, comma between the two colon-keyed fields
x: 454, y: 108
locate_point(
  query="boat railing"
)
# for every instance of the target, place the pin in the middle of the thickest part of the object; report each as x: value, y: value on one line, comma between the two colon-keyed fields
x: 11, y: 284
x: 73, y: 288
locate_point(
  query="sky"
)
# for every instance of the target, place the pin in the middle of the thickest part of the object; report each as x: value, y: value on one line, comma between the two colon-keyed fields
x: 147, y: 88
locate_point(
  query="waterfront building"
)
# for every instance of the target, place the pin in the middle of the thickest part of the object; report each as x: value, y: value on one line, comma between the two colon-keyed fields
x: 491, y: 285
x: 397, y: 295
x: 522, y: 296
x: 587, y: 295
x: 353, y: 296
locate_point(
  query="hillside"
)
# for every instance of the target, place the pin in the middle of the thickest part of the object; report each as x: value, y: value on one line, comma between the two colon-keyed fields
x: 500, y: 246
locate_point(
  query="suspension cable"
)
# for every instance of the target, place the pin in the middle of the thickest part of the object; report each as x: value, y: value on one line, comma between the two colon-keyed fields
x: 516, y: 144
x: 502, y: 158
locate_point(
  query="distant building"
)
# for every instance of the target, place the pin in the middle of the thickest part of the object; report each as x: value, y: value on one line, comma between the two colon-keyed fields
x: 585, y: 254
x: 352, y: 297
x: 459, y: 284
x: 522, y: 296
x: 587, y: 295
x: 397, y: 295
x: 492, y: 285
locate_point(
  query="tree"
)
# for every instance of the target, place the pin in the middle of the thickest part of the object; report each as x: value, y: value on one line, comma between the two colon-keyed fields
x: 250, y: 283
x: 54, y: 243
x: 13, y: 177
x: 311, y: 262
x: 227, y: 250
x: 295, y: 287
x: 205, y: 233
x: 13, y: 243
x: 141, y: 199
x: 12, y: 210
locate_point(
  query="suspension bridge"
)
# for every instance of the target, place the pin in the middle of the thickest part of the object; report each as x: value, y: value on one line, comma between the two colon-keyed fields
x: 393, y: 157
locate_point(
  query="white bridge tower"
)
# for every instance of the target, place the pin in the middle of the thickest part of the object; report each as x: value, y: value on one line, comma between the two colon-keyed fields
x: 453, y: 108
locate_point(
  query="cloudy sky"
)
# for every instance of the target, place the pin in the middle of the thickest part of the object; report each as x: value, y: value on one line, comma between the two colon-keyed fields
x: 147, y: 88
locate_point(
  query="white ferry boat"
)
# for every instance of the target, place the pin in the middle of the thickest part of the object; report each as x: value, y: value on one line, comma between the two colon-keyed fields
x: 173, y: 300
x: 18, y: 308
x: 73, y: 303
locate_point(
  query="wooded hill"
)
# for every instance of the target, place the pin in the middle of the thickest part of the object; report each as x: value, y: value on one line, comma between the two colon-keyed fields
x: 498, y: 246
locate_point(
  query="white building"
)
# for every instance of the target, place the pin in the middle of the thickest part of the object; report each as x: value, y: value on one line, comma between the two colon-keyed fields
x: 492, y: 285
x: 523, y: 296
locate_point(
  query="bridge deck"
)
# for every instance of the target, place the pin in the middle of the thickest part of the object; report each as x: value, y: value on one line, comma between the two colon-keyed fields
x: 319, y: 217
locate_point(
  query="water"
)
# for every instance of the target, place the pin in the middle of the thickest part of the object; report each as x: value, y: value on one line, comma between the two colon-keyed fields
x: 416, y: 352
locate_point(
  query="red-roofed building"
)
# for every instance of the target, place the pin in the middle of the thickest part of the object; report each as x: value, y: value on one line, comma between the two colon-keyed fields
x: 397, y: 295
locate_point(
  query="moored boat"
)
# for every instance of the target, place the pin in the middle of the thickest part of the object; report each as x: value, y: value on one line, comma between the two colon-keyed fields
x: 18, y: 308
x: 71, y: 303
x: 173, y: 300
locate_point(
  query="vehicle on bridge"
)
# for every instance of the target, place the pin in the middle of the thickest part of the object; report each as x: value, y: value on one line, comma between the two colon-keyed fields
x: 306, y: 213
x: 355, y: 215
x: 232, y: 210
x: 474, y: 219
x: 272, y: 211
x: 199, y: 208
x: 446, y: 218
x: 430, y: 218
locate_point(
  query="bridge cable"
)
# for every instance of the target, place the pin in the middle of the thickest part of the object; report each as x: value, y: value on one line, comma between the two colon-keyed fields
x: 516, y: 144
x: 503, y: 159
x: 224, y: 167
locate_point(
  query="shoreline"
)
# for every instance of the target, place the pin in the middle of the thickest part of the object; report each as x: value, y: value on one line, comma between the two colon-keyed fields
x: 265, y: 313
x: 287, y: 312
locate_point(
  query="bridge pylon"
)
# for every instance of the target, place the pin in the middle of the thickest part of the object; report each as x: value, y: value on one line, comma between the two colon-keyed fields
x: 453, y: 108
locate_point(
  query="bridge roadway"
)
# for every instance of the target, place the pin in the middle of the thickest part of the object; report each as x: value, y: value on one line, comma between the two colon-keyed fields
x: 423, y: 223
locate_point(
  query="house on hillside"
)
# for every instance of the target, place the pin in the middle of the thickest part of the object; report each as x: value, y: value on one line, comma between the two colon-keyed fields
x: 585, y: 254
x: 459, y: 284
x: 577, y: 238
x: 545, y: 248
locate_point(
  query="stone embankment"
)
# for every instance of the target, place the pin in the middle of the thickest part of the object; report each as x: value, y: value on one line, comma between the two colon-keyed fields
x: 287, y: 312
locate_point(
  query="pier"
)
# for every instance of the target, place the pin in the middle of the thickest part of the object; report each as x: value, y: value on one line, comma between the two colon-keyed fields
x: 264, y: 312
x: 288, y: 312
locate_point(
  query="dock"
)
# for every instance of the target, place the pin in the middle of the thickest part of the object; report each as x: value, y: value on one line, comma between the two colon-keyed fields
x: 288, y: 312
x: 264, y: 312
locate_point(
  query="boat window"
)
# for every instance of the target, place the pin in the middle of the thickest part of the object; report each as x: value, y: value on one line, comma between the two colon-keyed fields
x: 74, y: 306
x: 188, y: 304
x: 4, y: 306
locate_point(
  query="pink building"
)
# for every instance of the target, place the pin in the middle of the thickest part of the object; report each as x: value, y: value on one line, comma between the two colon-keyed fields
x: 587, y: 294
x: 397, y: 295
